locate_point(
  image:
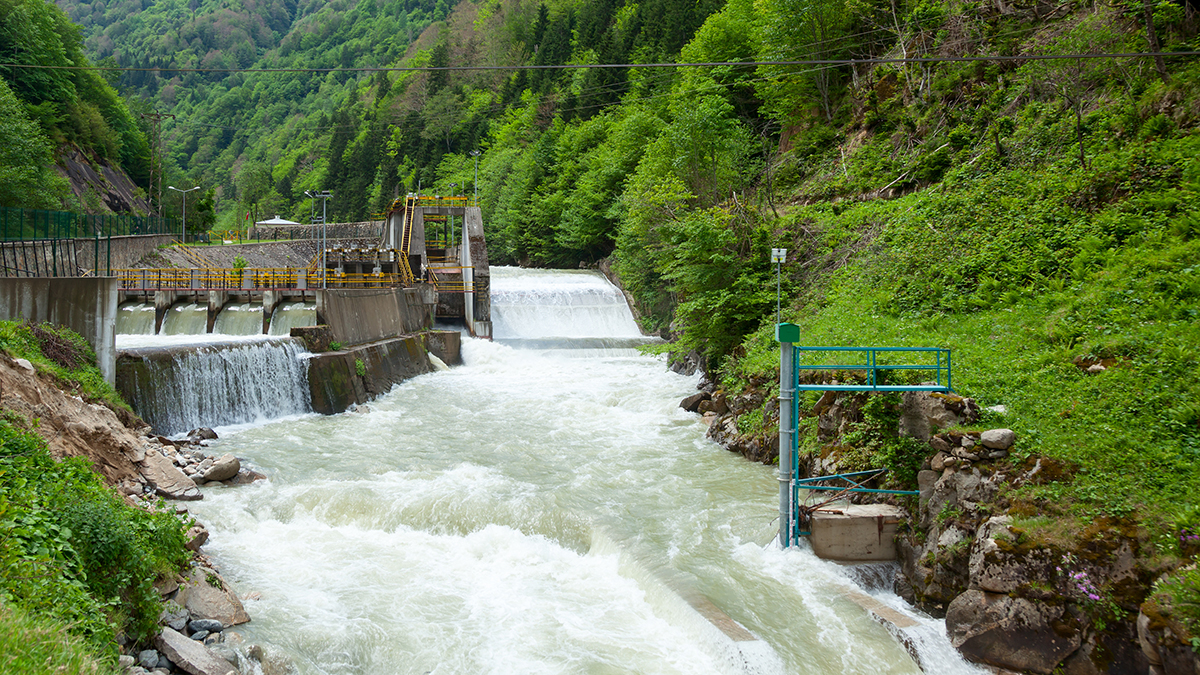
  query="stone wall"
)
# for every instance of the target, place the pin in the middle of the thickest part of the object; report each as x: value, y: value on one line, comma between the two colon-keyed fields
x: 117, y: 252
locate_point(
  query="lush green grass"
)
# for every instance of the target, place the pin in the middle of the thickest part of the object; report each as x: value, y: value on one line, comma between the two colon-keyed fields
x: 32, y: 646
x: 74, y: 552
x: 1027, y: 275
x: 65, y: 354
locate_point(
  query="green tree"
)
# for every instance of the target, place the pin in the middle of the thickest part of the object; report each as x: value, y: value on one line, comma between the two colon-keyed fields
x: 27, y: 177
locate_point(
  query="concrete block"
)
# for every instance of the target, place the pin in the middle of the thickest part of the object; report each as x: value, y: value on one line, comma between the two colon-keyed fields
x: 856, y: 532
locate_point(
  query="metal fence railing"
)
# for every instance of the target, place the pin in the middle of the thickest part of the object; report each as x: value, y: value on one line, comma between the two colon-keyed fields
x: 37, y: 224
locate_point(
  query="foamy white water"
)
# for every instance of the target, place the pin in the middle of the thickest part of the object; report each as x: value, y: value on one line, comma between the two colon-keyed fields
x: 558, y: 303
x: 526, y: 513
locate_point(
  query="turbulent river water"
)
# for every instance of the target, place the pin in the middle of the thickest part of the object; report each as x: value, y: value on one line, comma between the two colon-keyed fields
x: 536, y: 510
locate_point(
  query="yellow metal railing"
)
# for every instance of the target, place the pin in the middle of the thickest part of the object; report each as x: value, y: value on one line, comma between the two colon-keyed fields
x: 257, y: 278
x: 195, y: 257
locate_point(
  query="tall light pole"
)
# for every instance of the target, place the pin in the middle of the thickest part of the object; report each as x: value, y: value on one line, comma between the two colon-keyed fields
x: 323, y: 195
x: 183, y: 234
x: 475, y: 154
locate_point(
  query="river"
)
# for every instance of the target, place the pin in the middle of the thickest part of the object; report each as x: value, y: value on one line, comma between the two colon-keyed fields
x: 536, y: 510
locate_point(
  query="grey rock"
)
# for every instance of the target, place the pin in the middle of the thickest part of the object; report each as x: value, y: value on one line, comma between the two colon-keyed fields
x: 201, y: 434
x: 925, y: 482
x: 125, y: 661
x: 24, y: 364
x: 225, y: 467
x: 967, y: 442
x: 164, y: 663
x: 938, y: 463
x: 245, y: 477
x: 199, y: 635
x: 998, y: 409
x: 692, y: 403
x: 997, y: 454
x: 998, y: 439
x: 167, y: 479
x: 208, y: 601
x: 940, y: 444
x: 192, y: 656
x: 1013, y: 633
x: 206, y: 625
x: 148, y: 659
x: 1096, y: 368
x: 197, y: 535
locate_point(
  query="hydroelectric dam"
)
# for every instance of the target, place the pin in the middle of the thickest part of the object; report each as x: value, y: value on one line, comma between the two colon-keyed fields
x: 536, y: 502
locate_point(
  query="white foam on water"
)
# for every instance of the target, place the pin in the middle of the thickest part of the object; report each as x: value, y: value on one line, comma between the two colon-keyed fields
x: 452, y: 529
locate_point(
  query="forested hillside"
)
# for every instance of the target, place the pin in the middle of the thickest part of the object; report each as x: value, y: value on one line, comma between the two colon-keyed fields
x: 47, y: 109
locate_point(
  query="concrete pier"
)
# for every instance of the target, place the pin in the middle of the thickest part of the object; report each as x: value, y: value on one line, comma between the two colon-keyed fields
x: 856, y: 532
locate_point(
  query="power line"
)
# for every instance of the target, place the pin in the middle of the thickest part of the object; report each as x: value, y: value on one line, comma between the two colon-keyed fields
x: 588, y: 66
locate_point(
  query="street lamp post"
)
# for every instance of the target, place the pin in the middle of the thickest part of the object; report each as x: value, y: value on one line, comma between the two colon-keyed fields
x: 323, y: 195
x: 183, y: 233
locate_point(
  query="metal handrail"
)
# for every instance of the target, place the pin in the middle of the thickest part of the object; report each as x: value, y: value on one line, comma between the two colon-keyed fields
x: 873, y: 368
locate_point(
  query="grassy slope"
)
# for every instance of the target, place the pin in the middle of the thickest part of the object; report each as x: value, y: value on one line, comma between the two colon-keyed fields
x: 1023, y: 263
x: 32, y: 646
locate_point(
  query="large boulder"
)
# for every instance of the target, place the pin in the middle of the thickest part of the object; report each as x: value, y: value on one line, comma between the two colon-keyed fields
x: 223, y: 468
x: 997, y: 566
x: 190, y: 655
x: 692, y: 403
x: 167, y: 479
x: 1013, y: 633
x: 207, y: 596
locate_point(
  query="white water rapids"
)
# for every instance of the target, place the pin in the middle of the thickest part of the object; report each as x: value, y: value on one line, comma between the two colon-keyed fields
x: 529, y: 512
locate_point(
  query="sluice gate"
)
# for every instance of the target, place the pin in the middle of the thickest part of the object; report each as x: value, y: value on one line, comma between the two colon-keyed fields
x: 442, y: 240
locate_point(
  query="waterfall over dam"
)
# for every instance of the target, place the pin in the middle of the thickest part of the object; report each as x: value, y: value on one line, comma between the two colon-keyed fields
x: 217, y: 384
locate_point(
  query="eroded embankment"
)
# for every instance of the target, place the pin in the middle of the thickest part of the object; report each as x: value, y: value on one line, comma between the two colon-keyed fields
x: 152, y: 473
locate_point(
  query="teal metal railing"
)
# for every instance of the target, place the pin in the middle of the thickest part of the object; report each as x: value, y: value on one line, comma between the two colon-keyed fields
x: 876, y: 363
x: 876, y: 368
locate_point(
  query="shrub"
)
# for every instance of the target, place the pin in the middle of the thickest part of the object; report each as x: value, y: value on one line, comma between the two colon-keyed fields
x: 72, y: 551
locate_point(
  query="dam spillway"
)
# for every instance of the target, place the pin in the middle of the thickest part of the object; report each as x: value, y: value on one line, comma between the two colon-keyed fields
x: 226, y: 382
x: 517, y: 515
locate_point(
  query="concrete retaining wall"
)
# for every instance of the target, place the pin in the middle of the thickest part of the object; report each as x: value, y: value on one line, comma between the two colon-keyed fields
x: 335, y: 383
x: 87, y: 306
x: 118, y: 252
x: 359, y: 316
